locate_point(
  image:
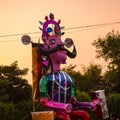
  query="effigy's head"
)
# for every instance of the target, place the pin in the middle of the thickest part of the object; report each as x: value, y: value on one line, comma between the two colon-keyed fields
x: 51, y: 32
x: 53, y: 44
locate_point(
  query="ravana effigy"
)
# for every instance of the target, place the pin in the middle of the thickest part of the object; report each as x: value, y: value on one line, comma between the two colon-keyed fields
x: 55, y: 89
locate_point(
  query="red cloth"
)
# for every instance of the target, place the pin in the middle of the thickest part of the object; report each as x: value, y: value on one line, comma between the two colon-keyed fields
x: 76, y: 114
x: 62, y: 115
x: 79, y: 114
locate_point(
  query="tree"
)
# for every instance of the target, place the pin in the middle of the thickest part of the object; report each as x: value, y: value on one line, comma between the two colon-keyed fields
x: 92, y: 78
x: 112, y: 79
x: 113, y: 103
x: 13, y: 87
x: 109, y: 49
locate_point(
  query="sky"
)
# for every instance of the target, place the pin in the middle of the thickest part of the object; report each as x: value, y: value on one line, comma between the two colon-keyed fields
x: 22, y: 16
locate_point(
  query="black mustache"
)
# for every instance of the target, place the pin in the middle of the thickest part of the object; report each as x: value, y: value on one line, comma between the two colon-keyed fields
x: 48, y: 51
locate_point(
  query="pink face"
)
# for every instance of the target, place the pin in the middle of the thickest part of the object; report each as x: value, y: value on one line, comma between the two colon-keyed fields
x: 53, y: 41
x: 58, y: 57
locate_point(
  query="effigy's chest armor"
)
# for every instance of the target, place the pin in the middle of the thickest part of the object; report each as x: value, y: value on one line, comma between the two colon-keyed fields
x: 59, y: 87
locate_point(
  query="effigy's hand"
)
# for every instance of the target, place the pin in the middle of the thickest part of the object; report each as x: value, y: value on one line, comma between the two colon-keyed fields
x: 44, y: 101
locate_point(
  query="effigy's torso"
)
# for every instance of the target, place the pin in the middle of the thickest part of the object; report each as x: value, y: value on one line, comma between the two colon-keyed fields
x: 59, y: 87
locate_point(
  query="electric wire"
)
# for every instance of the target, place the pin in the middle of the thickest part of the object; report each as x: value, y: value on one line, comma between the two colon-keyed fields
x: 16, y: 40
x: 94, y: 25
x: 87, y: 27
x: 83, y: 29
x: 11, y: 35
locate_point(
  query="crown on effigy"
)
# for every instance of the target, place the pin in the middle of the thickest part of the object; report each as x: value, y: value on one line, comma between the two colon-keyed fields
x: 50, y: 27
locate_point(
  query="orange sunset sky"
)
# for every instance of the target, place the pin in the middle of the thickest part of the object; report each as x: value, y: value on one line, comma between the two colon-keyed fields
x: 22, y: 16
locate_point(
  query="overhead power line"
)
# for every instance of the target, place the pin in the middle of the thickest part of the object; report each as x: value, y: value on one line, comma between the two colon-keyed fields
x: 95, y: 25
x: 9, y: 40
x: 11, y: 35
x: 15, y: 40
x: 72, y: 28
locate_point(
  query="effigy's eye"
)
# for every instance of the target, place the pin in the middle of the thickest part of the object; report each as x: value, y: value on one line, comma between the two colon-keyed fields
x: 52, y: 41
x: 49, y: 30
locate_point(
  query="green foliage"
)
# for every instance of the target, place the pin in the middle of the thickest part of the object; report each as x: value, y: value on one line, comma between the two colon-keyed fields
x: 113, y: 103
x: 83, y: 96
x: 4, y: 96
x: 15, y: 93
x: 13, y: 87
x: 26, y: 108
x: 109, y: 49
x: 92, y: 78
x: 6, y: 111
x: 20, y: 111
x: 112, y: 79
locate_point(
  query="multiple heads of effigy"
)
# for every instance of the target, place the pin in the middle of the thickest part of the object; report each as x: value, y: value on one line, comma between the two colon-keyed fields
x: 53, y: 46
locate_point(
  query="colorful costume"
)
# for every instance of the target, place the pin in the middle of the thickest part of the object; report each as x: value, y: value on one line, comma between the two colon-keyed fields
x: 60, y: 87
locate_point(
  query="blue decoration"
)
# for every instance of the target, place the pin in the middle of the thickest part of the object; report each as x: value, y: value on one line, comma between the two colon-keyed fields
x: 49, y: 29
